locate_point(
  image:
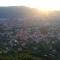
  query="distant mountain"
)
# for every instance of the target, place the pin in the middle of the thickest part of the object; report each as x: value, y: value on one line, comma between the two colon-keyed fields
x: 14, y: 15
x: 24, y: 12
x: 12, y: 12
x: 18, y: 14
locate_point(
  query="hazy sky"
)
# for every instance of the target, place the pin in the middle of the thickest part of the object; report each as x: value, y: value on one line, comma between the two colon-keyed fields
x: 42, y: 4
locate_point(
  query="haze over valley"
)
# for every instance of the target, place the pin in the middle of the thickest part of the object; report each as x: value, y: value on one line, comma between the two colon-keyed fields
x: 29, y: 33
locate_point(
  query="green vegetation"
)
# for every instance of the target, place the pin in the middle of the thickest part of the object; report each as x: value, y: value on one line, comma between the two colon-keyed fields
x: 19, y: 56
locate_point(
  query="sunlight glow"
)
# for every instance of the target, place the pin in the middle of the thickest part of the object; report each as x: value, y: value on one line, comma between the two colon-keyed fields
x: 40, y: 4
x: 45, y: 4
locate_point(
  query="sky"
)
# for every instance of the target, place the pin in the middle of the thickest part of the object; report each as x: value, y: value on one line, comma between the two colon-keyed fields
x: 41, y: 4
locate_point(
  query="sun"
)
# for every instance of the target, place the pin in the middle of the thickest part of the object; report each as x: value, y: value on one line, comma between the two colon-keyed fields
x: 43, y: 12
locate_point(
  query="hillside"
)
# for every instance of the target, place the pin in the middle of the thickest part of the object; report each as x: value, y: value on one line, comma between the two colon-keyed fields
x: 27, y: 34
